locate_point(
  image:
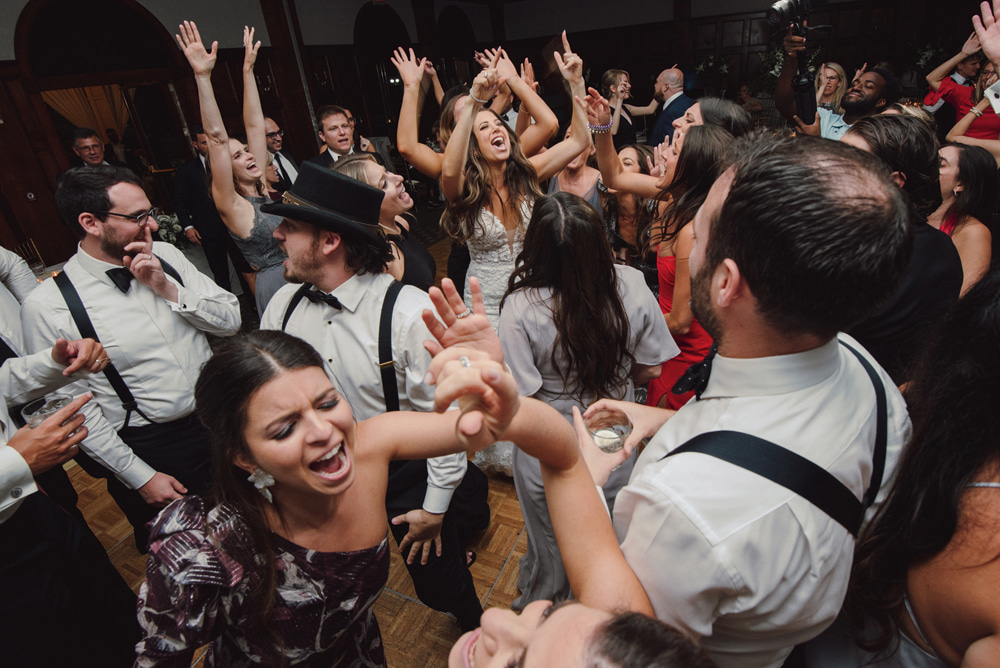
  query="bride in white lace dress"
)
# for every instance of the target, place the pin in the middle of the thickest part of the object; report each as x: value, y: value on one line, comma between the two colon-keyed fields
x: 491, y: 188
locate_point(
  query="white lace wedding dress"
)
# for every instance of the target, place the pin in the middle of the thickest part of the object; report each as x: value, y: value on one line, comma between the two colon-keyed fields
x: 493, y: 251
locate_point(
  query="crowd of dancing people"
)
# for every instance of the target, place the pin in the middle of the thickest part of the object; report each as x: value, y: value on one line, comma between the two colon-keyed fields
x: 798, y: 328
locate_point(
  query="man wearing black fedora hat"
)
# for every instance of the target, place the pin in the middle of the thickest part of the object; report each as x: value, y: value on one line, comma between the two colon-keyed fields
x: 369, y: 330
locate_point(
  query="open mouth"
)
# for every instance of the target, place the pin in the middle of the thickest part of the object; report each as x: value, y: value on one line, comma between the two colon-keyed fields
x: 334, y: 465
x: 470, y: 648
x: 498, y: 142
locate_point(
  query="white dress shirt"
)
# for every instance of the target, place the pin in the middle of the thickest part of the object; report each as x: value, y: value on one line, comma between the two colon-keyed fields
x: 336, y: 156
x: 157, y: 346
x: 739, y: 562
x: 348, y: 342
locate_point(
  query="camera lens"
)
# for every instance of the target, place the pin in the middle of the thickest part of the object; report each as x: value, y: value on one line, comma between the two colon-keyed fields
x: 780, y: 12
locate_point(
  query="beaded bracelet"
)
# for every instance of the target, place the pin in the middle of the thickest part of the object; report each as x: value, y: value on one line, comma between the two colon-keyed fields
x: 600, y: 129
x: 976, y: 111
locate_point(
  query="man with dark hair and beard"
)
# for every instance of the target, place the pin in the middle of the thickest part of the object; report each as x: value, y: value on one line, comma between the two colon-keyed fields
x: 797, y: 240
x: 151, y: 309
x: 369, y: 330
x: 869, y: 94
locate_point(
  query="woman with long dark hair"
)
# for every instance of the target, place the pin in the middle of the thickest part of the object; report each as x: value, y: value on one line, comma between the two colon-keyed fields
x: 571, y: 337
x: 237, y: 180
x: 617, y: 87
x: 926, y: 577
x: 968, y: 189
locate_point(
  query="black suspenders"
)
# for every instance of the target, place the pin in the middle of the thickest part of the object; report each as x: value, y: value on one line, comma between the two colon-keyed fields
x: 385, y: 363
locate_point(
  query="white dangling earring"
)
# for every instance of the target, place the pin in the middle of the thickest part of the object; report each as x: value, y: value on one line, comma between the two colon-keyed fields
x: 262, y: 480
x: 955, y: 191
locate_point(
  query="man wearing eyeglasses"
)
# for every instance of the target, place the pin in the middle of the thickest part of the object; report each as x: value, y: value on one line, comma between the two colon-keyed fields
x: 151, y: 309
x: 281, y: 158
x: 88, y: 147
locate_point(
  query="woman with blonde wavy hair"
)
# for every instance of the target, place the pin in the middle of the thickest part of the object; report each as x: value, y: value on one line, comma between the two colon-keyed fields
x: 831, y: 84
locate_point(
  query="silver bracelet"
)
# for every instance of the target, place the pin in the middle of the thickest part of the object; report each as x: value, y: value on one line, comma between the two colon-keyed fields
x: 976, y: 111
x: 600, y: 129
x: 476, y: 99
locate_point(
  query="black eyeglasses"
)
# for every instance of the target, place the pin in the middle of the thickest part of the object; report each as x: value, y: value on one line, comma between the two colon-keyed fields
x: 140, y: 219
x: 276, y: 133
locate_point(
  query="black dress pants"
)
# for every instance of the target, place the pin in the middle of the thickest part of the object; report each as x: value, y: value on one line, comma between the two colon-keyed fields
x: 445, y: 582
x: 62, y: 603
x: 180, y: 448
x: 218, y: 252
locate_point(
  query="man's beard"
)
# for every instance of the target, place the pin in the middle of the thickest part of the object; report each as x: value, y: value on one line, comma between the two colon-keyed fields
x: 306, y: 269
x: 859, y: 107
x: 701, y: 302
x: 114, y: 246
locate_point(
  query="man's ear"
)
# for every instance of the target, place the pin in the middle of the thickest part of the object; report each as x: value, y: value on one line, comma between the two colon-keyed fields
x: 729, y: 282
x: 899, y: 178
x: 329, y: 242
x: 90, y: 223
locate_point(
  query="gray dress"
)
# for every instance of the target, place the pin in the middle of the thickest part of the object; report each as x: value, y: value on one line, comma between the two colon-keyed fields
x: 261, y: 250
x: 528, y: 337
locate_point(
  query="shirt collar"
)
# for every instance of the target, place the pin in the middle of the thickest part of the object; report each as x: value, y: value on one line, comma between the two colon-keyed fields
x: 336, y: 156
x: 958, y: 78
x: 767, y: 376
x: 97, y: 268
x: 666, y: 103
x: 353, y: 290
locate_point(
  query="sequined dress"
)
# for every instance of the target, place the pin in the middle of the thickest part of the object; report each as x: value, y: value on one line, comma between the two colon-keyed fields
x: 202, y: 567
x: 493, y: 253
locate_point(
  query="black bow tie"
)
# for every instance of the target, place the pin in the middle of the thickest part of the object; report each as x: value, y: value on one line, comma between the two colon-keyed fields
x: 315, y: 296
x: 121, y: 277
x: 696, y: 377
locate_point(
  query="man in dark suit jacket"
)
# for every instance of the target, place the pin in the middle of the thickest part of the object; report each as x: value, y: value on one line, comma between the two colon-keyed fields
x: 88, y: 147
x: 201, y: 222
x: 669, y: 90
x: 337, y: 135
x: 282, y: 159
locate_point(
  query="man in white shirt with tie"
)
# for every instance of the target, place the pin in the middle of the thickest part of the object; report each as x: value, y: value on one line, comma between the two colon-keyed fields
x: 151, y: 309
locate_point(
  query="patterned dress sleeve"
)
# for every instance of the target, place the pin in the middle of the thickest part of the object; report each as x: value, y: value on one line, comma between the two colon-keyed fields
x: 189, y: 584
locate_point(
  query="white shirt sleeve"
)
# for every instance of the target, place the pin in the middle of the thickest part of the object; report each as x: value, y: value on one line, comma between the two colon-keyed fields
x: 31, y: 376
x: 200, y: 301
x: 15, y: 275
x: 16, y: 481
x: 444, y: 474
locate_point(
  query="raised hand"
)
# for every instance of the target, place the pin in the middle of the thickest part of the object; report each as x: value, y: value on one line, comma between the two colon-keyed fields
x: 596, y: 108
x: 528, y: 74
x: 505, y: 66
x: 429, y: 68
x: 988, y: 30
x: 486, y: 83
x: 859, y: 72
x: 411, y: 70
x: 201, y: 61
x: 793, y: 44
x: 482, y: 58
x: 249, y: 49
x: 570, y: 64
x: 486, y: 394
x: 460, y: 326
x: 971, y: 45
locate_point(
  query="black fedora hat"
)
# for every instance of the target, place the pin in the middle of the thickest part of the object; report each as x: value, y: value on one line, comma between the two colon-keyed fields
x: 333, y: 202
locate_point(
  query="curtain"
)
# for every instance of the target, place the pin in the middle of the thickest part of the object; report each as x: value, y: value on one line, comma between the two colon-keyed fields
x: 97, y: 107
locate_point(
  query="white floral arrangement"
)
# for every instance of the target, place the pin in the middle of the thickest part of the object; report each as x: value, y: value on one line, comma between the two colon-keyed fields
x: 171, y: 230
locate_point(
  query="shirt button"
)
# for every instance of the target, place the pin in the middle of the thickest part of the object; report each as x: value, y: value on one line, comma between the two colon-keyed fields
x: 16, y: 493
x: 330, y: 360
x: 329, y: 322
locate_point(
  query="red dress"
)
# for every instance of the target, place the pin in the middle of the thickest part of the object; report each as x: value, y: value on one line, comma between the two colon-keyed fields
x: 694, y: 345
x: 960, y: 97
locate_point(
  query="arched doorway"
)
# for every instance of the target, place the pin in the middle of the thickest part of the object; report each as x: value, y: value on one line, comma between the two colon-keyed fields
x: 378, y: 30
x: 457, y: 41
x: 111, y: 56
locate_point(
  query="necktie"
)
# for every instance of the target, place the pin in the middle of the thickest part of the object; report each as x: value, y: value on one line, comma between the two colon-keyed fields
x: 696, y: 377
x: 281, y: 168
x: 122, y: 278
x: 316, y: 296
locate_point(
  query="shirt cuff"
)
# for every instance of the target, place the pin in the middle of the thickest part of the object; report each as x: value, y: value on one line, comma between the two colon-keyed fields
x: 437, y: 499
x: 187, y: 300
x: 137, y: 474
x: 188, y: 227
x: 17, y: 481
x: 993, y: 95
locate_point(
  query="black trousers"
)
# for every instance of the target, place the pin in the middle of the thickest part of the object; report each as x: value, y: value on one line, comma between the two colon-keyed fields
x: 459, y: 260
x: 62, y: 603
x: 218, y: 252
x: 445, y: 582
x: 180, y: 448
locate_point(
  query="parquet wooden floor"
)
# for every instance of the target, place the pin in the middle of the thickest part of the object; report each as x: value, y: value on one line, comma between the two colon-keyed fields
x: 414, y: 635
